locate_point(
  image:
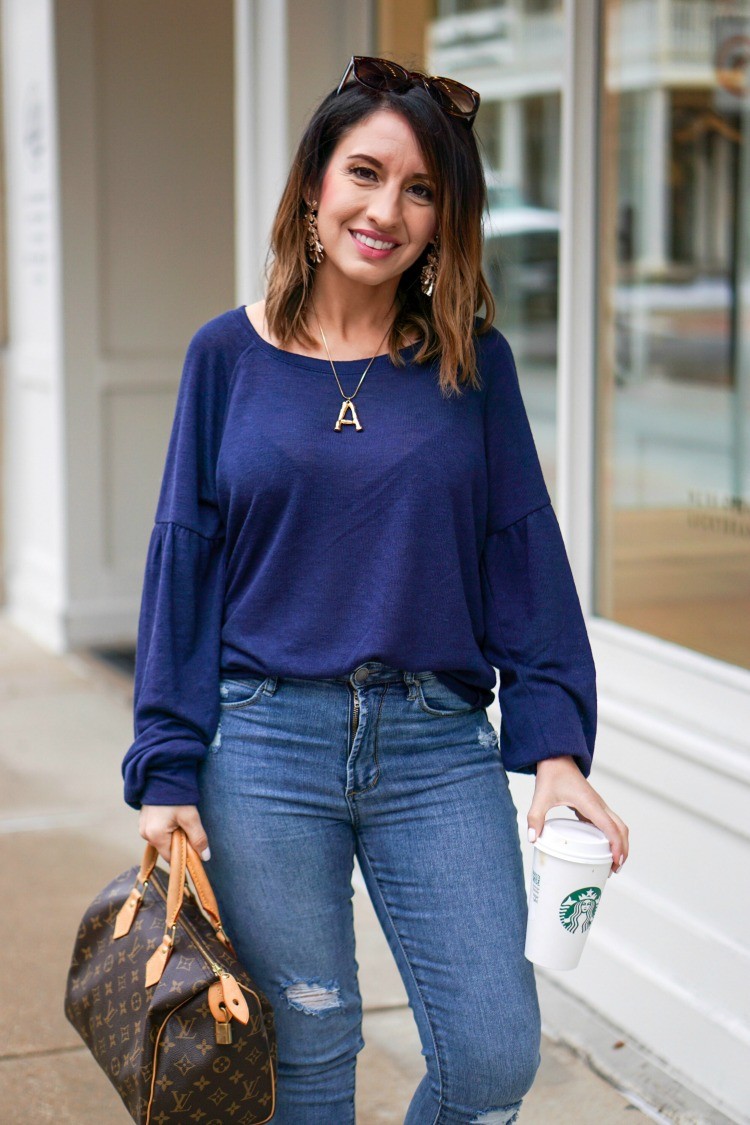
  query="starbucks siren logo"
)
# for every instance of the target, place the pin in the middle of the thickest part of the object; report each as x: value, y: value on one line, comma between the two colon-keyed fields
x: 578, y: 909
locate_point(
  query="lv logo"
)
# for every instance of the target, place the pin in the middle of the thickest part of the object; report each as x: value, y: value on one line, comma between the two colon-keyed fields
x: 134, y: 954
x: 251, y: 1089
x: 186, y: 1028
x: 181, y: 1100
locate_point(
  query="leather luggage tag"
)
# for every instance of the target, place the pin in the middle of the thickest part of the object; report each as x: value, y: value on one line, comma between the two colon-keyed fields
x: 234, y: 998
x: 226, y: 1000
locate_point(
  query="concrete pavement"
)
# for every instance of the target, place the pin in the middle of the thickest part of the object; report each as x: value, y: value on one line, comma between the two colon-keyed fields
x: 65, y: 723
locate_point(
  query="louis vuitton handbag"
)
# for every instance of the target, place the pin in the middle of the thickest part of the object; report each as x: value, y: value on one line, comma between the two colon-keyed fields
x: 158, y: 996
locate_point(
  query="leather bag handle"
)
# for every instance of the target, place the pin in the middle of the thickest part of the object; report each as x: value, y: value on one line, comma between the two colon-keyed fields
x: 204, y: 890
x: 184, y: 856
x: 175, y: 893
x: 177, y: 867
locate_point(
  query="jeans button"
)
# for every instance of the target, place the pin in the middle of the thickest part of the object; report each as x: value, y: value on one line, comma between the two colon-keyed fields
x: 361, y: 675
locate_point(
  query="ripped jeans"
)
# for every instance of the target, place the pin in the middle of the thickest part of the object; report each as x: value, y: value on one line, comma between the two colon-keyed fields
x: 395, y: 768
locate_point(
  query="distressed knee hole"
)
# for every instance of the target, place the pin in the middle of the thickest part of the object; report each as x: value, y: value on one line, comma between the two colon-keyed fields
x: 502, y: 1116
x: 315, y: 998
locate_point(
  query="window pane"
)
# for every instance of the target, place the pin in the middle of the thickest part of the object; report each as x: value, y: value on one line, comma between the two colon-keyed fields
x: 673, y: 454
x: 513, y: 55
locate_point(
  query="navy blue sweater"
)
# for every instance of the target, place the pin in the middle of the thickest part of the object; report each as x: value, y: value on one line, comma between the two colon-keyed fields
x: 426, y: 540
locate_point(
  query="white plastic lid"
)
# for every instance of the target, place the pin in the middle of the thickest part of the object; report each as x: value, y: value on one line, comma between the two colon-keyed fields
x: 574, y: 839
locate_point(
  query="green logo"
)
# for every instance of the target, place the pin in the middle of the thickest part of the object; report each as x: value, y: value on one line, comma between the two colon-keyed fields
x: 578, y: 909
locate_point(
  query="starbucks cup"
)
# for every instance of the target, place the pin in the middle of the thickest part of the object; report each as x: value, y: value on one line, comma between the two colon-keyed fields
x: 572, y: 861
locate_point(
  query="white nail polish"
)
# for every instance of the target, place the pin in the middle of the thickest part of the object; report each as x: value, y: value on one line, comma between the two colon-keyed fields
x: 206, y: 855
x: 532, y: 835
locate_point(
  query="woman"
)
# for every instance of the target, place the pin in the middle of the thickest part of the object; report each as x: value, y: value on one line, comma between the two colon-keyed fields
x: 330, y: 587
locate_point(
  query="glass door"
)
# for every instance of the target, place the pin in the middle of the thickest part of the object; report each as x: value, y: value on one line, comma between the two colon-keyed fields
x: 673, y: 394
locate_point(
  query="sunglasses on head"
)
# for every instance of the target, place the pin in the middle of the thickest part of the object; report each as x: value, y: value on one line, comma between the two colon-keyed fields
x: 382, y: 74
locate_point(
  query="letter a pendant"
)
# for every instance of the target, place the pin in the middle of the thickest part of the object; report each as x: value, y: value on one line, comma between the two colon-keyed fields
x: 347, y: 404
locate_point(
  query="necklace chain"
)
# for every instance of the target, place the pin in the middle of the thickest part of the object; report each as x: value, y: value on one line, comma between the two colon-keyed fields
x: 347, y: 398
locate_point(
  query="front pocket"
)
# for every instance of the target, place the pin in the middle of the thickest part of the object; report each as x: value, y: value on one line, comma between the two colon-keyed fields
x: 234, y: 694
x: 436, y: 698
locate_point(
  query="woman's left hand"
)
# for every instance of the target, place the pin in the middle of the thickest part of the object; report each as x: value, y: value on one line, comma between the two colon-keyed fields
x: 559, y: 781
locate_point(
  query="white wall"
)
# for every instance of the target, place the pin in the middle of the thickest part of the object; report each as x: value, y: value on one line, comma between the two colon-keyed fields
x: 136, y: 181
x: 670, y: 961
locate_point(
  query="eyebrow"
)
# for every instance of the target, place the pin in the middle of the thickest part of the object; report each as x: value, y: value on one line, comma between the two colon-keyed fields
x: 379, y: 164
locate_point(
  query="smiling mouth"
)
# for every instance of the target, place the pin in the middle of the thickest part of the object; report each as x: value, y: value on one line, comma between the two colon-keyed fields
x: 373, y: 243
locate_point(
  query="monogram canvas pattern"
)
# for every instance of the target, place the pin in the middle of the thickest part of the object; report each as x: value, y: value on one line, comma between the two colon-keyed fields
x: 161, y: 1047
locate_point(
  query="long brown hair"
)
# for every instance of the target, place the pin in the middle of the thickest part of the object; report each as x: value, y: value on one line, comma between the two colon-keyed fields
x: 444, y: 322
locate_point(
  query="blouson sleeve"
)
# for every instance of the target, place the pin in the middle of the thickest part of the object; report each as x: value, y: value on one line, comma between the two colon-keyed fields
x: 535, y: 634
x: 176, y: 706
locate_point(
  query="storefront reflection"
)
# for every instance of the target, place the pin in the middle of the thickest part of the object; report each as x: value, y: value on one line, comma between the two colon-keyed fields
x: 673, y: 543
x: 512, y: 53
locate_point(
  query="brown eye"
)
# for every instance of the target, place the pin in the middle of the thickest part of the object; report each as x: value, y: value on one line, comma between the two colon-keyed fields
x: 361, y: 171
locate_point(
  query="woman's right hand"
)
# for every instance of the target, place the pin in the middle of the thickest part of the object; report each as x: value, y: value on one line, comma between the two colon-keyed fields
x: 157, y: 823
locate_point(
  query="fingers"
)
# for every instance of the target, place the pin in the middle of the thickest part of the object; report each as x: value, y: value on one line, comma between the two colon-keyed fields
x: 568, y: 786
x: 622, y: 848
x: 157, y: 823
x: 190, y: 820
x: 613, y: 828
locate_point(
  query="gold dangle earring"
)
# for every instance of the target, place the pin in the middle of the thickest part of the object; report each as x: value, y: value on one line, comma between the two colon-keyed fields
x: 313, y: 245
x: 430, y: 268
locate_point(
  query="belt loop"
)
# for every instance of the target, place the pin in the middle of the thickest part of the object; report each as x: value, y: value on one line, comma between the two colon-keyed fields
x: 410, y: 681
x: 270, y: 684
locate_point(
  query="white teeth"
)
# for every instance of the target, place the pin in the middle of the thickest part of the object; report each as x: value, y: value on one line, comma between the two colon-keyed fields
x: 376, y: 245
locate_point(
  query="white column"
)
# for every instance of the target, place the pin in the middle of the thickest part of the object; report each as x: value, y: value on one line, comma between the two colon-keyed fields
x: 511, y: 141
x: 577, y: 312
x: 653, y: 211
x: 34, y: 463
x: 261, y: 133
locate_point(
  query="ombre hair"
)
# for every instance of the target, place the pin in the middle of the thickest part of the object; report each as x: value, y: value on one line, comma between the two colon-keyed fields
x: 445, y: 322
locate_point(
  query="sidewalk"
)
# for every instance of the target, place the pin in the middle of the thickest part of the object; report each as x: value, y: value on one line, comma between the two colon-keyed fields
x: 65, y: 723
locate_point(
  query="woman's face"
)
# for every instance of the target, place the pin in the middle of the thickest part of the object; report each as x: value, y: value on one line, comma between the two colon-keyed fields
x: 376, y: 210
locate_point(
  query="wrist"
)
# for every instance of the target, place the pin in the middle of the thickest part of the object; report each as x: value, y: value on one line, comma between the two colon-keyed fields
x: 547, y: 763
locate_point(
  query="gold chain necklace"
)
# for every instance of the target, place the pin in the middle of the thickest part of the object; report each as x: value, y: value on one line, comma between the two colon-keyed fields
x: 347, y: 404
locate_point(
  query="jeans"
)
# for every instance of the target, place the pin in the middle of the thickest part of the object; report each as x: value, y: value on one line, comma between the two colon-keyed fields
x: 395, y: 768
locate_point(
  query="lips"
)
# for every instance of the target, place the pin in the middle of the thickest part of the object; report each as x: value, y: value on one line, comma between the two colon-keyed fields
x: 372, y: 245
x: 372, y: 240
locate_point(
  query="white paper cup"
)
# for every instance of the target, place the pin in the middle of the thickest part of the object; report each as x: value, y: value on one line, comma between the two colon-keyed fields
x: 572, y: 861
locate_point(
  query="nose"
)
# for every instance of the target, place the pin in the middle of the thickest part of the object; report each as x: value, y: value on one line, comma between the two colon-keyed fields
x: 384, y: 209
